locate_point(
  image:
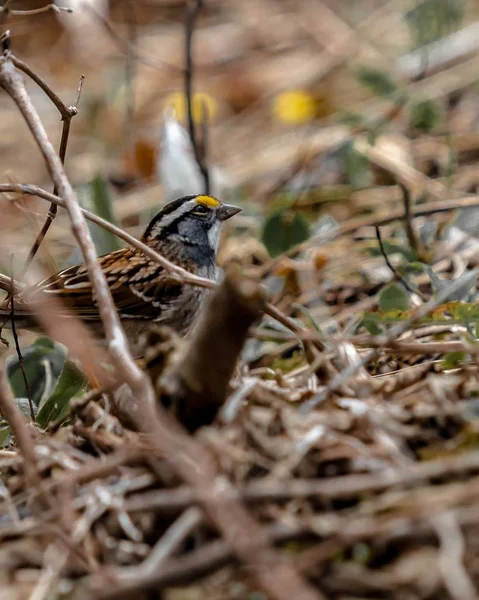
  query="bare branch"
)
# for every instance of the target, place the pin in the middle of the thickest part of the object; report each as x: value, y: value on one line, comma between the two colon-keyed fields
x: 118, y: 345
x: 14, y: 417
x: 198, y: 385
x: 391, y: 267
x: 193, y: 8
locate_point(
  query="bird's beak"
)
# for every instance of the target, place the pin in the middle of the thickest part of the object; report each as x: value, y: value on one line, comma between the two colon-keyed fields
x: 226, y: 211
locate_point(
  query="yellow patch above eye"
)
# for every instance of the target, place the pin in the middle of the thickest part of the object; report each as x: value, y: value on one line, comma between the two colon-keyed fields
x: 208, y: 201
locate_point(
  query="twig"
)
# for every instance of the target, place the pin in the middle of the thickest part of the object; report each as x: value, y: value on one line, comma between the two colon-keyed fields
x: 172, y: 539
x: 193, y: 8
x: 330, y: 488
x: 14, y: 417
x: 392, y: 335
x: 353, y: 225
x: 198, y: 385
x: 410, y: 231
x: 391, y: 267
x: 34, y: 11
x: 181, y: 273
x: 128, y: 47
x: 130, y: 71
x: 454, y: 573
x: 67, y: 113
x: 17, y: 345
x: 11, y: 81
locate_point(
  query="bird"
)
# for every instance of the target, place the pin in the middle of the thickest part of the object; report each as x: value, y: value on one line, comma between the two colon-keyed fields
x: 186, y: 231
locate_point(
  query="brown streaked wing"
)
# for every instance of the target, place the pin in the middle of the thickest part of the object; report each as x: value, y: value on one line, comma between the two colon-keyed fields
x: 135, y: 281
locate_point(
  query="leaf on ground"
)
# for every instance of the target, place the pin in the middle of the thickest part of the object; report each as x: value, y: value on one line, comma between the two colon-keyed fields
x: 283, y: 230
x: 43, y: 362
x: 393, y: 297
x: 70, y: 384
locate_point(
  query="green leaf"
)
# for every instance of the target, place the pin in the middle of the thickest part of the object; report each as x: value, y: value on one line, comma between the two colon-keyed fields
x: 70, y: 384
x: 393, y: 297
x: 4, y: 435
x: 377, y: 81
x: 392, y: 248
x: 43, y: 361
x: 371, y: 324
x: 354, y: 164
x: 96, y: 198
x: 283, y: 230
x: 351, y: 119
x: 425, y: 116
x: 431, y: 20
x: 452, y: 360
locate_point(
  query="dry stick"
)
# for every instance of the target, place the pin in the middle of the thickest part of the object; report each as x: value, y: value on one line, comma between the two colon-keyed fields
x: 11, y: 81
x: 410, y: 231
x: 128, y: 47
x: 67, y: 113
x: 353, y: 225
x: 391, y: 267
x: 186, y: 277
x: 14, y: 417
x: 328, y: 489
x: 193, y: 7
x: 193, y: 463
x: 34, y: 11
x: 392, y: 335
x: 182, y: 274
x: 199, y: 384
x: 21, y: 362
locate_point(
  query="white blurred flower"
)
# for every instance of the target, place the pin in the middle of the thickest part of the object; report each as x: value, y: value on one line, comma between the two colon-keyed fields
x: 177, y: 168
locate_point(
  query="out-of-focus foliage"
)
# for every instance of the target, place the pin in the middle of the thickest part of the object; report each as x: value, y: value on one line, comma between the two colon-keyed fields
x: 431, y: 20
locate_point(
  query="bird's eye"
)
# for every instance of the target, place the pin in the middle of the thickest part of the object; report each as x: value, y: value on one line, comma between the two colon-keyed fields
x: 201, y: 210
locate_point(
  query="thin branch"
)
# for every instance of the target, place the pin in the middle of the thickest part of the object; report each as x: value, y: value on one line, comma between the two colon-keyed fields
x: 193, y: 9
x: 181, y: 273
x: 14, y: 417
x: 353, y: 225
x: 21, y: 362
x: 198, y: 385
x: 393, y: 269
x: 34, y: 11
x: 410, y: 231
x: 420, y: 313
x: 128, y: 47
x: 171, y: 540
x: 62, y: 108
x: 13, y: 84
x: 186, y: 277
x: 67, y: 113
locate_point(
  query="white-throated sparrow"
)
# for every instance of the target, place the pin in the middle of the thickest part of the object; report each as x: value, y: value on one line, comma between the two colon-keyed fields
x: 186, y: 232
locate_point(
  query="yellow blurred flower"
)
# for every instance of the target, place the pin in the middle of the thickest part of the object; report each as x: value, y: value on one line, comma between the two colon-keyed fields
x: 200, y: 102
x: 294, y: 107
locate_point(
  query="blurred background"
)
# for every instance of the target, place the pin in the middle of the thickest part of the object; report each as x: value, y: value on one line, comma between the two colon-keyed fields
x: 291, y: 89
x: 311, y: 111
